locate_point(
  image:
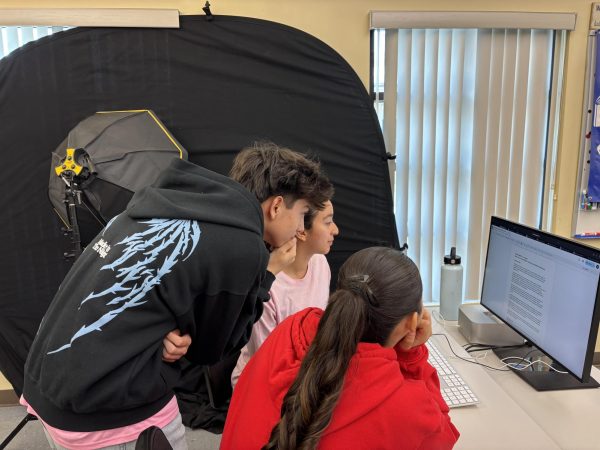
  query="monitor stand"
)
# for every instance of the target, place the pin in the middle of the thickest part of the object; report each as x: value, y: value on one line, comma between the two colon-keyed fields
x: 546, y: 379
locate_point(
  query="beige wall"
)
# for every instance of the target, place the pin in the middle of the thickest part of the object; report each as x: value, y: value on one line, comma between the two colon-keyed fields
x: 4, y: 384
x: 343, y: 24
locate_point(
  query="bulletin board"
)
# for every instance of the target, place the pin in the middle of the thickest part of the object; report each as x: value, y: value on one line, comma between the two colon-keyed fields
x: 586, y: 216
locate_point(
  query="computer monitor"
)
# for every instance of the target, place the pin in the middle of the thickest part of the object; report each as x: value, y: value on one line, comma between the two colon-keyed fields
x: 546, y: 288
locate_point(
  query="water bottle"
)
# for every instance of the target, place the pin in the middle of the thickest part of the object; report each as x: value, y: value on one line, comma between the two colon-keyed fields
x: 451, y: 286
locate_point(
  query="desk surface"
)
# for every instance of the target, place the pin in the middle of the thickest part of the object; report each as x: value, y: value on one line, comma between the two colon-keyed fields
x: 513, y: 415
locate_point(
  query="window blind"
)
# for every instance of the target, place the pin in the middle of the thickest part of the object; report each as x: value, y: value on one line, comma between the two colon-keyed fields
x: 12, y: 38
x: 466, y: 112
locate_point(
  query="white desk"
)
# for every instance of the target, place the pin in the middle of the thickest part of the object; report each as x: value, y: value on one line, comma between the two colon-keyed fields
x: 513, y: 415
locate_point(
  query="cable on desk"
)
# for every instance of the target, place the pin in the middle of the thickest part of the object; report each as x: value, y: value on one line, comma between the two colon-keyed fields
x: 521, y: 358
x: 529, y: 364
x: 476, y: 347
x: 468, y: 360
x: 513, y: 366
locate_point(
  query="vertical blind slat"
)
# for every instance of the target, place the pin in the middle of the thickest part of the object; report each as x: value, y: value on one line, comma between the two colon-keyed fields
x: 441, y: 190
x: 26, y: 35
x: 493, y: 122
x: 506, y: 112
x: 494, y: 183
x: 559, y: 38
x: 3, y: 43
x: 390, y: 83
x: 483, y: 50
x: 466, y: 123
x: 535, y: 126
x: 518, y: 127
x: 430, y: 100
x: 489, y: 168
x: 43, y: 31
x: 458, y: 118
x: 12, y: 38
x: 416, y: 141
x: 404, y: 55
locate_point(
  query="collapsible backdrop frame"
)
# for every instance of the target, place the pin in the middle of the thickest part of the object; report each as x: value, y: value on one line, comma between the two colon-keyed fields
x: 217, y: 86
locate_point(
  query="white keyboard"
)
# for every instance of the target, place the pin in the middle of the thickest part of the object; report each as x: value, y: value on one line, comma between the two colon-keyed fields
x: 454, y: 390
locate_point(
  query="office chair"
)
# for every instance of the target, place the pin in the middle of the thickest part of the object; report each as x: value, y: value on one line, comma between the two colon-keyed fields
x: 218, y: 380
x: 152, y: 438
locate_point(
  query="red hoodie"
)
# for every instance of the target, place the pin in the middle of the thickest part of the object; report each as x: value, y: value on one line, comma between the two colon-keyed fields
x: 391, y: 399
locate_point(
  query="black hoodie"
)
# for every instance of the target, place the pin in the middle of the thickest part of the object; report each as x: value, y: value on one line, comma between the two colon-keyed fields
x: 188, y: 253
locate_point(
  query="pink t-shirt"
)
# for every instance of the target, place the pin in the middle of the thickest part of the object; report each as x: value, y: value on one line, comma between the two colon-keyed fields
x: 288, y: 296
x: 87, y: 440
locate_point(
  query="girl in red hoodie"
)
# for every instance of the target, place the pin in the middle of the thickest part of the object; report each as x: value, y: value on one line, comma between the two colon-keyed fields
x: 353, y: 377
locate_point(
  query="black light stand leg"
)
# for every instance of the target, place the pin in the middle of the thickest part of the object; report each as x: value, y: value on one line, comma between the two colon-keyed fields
x: 14, y: 432
x: 73, y: 199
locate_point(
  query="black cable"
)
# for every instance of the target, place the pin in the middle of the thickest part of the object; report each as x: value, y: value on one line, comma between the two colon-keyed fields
x: 474, y: 347
x: 464, y: 359
x: 469, y: 347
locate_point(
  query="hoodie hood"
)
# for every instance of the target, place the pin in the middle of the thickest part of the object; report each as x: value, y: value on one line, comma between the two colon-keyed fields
x: 187, y: 191
x: 372, y: 377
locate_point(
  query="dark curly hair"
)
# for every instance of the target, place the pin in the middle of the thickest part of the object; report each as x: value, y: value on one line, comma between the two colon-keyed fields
x: 266, y: 169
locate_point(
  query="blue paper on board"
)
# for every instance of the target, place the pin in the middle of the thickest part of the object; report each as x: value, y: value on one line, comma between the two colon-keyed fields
x: 594, y: 178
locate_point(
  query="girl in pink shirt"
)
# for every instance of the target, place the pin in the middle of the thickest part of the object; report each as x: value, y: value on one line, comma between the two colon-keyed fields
x: 302, y: 284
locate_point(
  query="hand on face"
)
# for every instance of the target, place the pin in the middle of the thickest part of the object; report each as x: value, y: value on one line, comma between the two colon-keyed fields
x: 423, y: 328
x: 421, y: 334
x: 282, y: 256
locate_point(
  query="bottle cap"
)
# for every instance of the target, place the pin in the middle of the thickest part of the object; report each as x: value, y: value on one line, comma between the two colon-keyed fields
x: 452, y: 258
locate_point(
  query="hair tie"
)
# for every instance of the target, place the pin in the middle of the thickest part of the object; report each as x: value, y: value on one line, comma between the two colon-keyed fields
x: 360, y: 285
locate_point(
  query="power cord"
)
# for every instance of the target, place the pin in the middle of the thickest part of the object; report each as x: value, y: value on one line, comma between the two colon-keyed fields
x: 518, y: 366
x: 511, y: 366
x: 475, y: 347
x: 468, y: 360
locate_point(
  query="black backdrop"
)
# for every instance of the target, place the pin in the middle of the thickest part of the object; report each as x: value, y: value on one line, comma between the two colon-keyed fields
x: 217, y: 86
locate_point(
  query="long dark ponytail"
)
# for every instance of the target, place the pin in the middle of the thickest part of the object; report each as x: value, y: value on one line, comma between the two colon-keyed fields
x: 377, y: 287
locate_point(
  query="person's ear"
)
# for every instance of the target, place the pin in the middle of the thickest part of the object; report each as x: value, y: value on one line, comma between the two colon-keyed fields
x: 274, y: 206
x: 302, y: 235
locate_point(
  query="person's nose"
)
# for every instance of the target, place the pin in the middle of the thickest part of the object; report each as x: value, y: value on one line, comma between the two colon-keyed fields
x: 336, y: 230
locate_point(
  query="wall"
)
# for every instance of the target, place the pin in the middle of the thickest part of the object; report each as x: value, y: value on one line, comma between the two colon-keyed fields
x: 343, y: 24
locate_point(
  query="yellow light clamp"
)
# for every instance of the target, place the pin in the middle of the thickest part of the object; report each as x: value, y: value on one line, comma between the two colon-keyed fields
x: 68, y: 164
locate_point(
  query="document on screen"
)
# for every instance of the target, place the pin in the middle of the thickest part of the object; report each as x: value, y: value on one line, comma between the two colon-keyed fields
x: 531, y: 277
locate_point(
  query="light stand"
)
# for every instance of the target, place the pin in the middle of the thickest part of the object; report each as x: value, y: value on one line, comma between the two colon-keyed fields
x: 72, y: 200
x: 14, y: 432
x: 72, y: 174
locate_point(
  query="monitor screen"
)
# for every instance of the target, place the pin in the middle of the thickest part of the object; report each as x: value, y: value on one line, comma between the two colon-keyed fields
x: 546, y: 288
